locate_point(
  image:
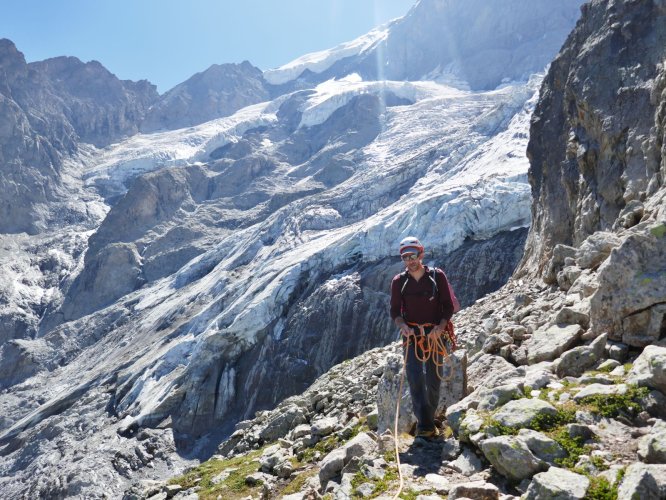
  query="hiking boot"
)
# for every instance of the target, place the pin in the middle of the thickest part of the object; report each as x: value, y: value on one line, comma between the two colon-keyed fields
x: 429, y: 434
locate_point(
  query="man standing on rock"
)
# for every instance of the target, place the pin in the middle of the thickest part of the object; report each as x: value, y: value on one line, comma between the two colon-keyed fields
x: 421, y: 306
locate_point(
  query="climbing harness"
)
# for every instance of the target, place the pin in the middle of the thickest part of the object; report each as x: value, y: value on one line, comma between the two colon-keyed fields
x: 431, y: 346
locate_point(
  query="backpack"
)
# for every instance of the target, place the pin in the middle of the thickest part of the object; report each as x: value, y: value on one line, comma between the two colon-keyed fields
x: 435, y: 289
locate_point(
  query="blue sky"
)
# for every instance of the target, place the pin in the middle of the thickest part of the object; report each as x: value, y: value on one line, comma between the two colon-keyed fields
x: 167, y: 41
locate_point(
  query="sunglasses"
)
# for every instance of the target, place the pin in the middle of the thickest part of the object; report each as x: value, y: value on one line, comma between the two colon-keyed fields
x: 409, y: 257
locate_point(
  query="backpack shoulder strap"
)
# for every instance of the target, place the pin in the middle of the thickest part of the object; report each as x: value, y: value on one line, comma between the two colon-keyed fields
x: 404, y: 276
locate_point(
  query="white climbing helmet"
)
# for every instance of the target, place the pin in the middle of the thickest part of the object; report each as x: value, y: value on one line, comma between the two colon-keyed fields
x: 411, y: 244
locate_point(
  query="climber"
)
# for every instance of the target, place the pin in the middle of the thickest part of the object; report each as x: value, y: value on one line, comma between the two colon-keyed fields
x: 421, y: 304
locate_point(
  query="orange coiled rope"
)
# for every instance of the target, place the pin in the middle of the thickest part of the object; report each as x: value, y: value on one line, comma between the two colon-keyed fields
x: 432, y: 346
x: 432, y: 343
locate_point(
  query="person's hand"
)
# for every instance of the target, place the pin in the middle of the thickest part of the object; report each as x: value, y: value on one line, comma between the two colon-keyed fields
x: 440, y: 329
x: 405, y: 330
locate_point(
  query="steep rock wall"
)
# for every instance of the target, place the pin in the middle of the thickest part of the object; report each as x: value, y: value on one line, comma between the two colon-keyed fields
x: 596, y: 137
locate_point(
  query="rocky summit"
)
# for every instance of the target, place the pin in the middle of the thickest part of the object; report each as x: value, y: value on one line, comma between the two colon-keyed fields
x: 216, y: 325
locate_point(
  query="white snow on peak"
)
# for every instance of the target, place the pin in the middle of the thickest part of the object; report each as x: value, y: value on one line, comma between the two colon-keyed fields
x: 333, y: 94
x: 324, y: 59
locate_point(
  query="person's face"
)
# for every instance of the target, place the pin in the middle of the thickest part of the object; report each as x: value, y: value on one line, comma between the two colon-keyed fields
x: 413, y: 261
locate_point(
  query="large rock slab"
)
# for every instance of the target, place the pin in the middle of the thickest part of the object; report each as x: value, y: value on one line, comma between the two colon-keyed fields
x: 511, y: 457
x: 547, y: 344
x: 631, y: 281
x: 521, y: 412
x: 557, y: 484
x: 452, y: 389
x: 601, y: 390
x: 649, y: 369
x: 642, y: 481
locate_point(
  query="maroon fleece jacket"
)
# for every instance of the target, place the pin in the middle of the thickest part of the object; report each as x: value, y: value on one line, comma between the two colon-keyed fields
x: 416, y: 304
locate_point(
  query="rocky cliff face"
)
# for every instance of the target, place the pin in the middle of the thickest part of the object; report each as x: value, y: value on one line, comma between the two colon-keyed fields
x: 49, y: 108
x: 219, y: 91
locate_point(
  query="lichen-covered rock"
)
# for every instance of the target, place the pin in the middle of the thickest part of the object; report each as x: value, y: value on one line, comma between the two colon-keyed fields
x: 511, y: 457
x: 335, y: 461
x: 649, y: 369
x: 542, y: 446
x: 521, y: 412
x: 557, y: 484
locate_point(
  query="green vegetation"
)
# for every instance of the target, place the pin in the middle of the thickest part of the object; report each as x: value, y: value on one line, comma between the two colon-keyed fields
x: 614, y: 405
x: 659, y: 231
x: 601, y: 489
x: 298, y: 482
x: 380, y: 485
x: 574, y: 446
x: 566, y: 414
x: 232, y: 487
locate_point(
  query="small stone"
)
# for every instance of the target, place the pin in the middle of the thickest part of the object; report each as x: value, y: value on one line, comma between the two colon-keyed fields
x: 608, y: 365
x: 467, y: 463
x: 438, y: 482
x: 365, y: 489
x: 618, y: 351
x: 479, y: 490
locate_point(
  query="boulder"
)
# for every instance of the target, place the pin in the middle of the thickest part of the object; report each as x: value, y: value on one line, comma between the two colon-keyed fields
x: 630, y: 280
x: 649, y: 369
x: 511, y: 457
x: 490, y: 399
x: 595, y: 249
x: 652, y: 447
x: 323, y: 426
x: 490, y: 371
x: 579, y: 359
x: 521, y: 412
x: 549, y: 343
x: 557, y: 484
x: 644, y: 327
x: 282, y: 422
x: 542, y: 446
x: 643, y: 481
x: 334, y: 462
x: 467, y: 464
